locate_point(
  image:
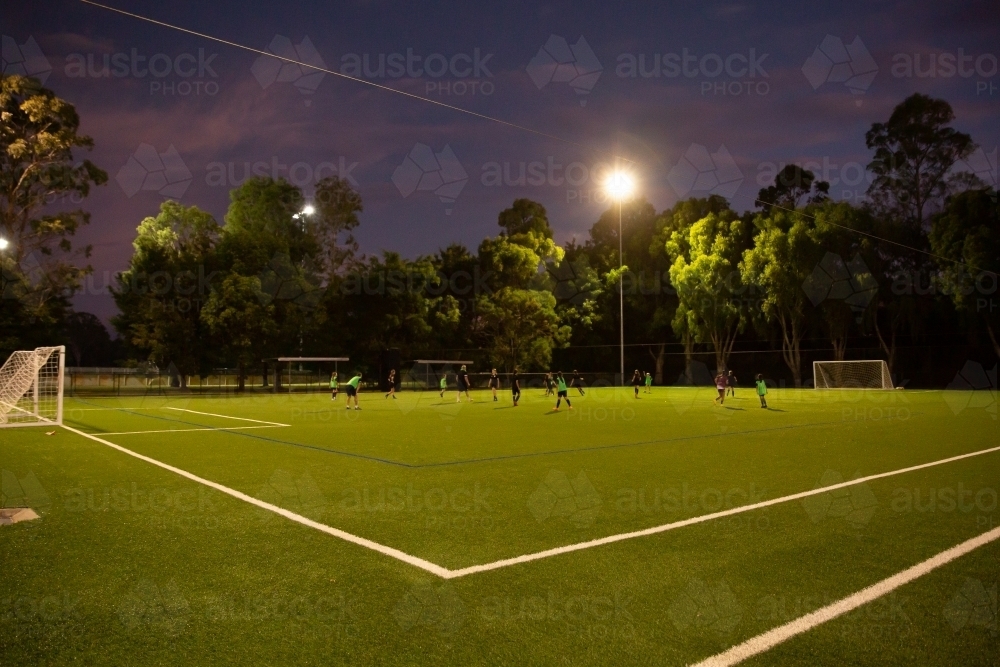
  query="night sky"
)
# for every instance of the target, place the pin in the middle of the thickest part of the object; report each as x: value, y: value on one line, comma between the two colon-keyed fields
x: 704, y: 97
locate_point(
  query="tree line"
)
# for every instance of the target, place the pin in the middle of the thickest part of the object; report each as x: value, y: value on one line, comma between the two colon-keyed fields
x: 281, y: 274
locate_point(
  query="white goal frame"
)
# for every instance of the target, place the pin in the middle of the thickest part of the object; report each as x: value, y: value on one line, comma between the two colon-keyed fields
x: 32, y: 385
x: 824, y: 376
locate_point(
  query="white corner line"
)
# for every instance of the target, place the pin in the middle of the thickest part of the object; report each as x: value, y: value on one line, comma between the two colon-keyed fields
x: 298, y: 518
x: 445, y: 573
x: 771, y: 638
x: 610, y: 539
x: 212, y: 414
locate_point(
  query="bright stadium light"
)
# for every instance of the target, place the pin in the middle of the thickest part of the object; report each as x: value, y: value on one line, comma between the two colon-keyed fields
x: 306, y: 211
x: 4, y: 243
x: 619, y: 186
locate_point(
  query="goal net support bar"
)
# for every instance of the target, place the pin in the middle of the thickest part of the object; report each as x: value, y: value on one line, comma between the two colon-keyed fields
x: 31, y: 387
x: 868, y: 374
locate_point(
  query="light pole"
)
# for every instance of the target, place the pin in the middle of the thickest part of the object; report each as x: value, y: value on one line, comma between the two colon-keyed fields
x: 619, y: 185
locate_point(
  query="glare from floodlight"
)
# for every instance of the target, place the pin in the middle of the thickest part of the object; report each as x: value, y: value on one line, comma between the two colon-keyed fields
x: 4, y: 243
x: 308, y: 210
x: 619, y: 185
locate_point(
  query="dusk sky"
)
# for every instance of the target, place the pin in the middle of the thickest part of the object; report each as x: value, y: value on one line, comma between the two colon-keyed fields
x: 704, y: 97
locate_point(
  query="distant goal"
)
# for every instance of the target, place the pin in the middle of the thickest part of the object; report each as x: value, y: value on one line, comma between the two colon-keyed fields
x: 31, y: 387
x: 872, y: 374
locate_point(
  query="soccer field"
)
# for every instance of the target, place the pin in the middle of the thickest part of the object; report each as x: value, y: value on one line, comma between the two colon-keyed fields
x: 288, y: 530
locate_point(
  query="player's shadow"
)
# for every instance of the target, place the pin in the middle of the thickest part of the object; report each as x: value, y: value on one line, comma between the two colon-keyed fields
x: 775, y: 410
x: 736, y: 409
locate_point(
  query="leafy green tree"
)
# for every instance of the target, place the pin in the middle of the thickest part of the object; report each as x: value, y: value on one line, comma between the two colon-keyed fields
x: 39, y: 133
x: 705, y: 271
x: 161, y: 294
x: 914, y: 153
x: 966, y: 236
x: 240, y: 320
x: 520, y: 327
x: 678, y: 219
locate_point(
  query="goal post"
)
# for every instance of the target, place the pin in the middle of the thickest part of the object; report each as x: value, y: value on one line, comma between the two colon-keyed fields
x: 866, y: 374
x: 31, y: 387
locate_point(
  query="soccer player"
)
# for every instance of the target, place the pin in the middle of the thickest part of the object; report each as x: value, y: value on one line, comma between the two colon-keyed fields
x: 352, y: 391
x: 549, y: 385
x: 561, y: 386
x: 463, y: 385
x: 720, y: 384
x: 577, y: 381
x: 731, y: 383
x: 443, y: 384
x: 636, y: 381
x: 334, y: 386
x: 494, y: 383
x: 515, y: 387
x: 649, y: 384
x: 392, y: 384
x: 761, y: 391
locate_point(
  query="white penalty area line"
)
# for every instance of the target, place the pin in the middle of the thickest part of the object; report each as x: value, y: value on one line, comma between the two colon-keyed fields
x: 191, y: 430
x: 298, y: 518
x: 772, y: 638
x: 507, y: 562
x: 446, y: 573
x: 212, y: 414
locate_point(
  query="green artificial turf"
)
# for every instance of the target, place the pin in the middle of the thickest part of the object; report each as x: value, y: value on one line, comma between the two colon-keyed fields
x: 133, y: 564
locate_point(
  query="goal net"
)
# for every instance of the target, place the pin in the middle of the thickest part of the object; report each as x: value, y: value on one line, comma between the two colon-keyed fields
x: 31, y: 387
x: 851, y: 375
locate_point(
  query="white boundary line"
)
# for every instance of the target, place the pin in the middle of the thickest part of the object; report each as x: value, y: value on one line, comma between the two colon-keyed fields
x: 212, y: 414
x: 701, y: 519
x: 445, y: 573
x: 298, y: 518
x: 772, y: 638
x: 190, y: 430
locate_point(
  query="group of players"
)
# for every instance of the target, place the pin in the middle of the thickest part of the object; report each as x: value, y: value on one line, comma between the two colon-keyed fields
x: 555, y: 384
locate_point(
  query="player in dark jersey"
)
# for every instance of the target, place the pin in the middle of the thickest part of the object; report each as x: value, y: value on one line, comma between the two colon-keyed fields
x: 549, y: 385
x: 494, y: 383
x: 515, y: 387
x: 636, y: 381
x: 577, y: 382
x: 392, y: 384
x: 731, y: 384
x: 463, y: 385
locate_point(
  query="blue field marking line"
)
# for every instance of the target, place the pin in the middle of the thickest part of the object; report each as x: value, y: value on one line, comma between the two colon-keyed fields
x: 488, y: 459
